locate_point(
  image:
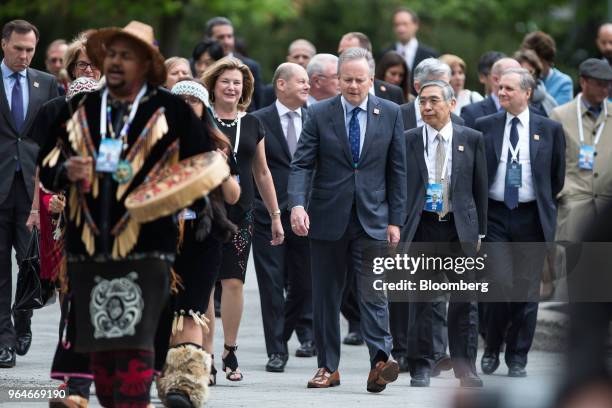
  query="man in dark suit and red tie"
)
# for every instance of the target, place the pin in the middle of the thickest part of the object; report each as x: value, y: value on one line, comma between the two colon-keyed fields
x: 347, y: 193
x: 526, y: 170
x: 283, y: 121
x: 23, y: 91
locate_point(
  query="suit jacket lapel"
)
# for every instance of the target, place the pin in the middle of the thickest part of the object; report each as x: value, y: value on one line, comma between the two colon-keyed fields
x: 277, y: 130
x: 418, y: 147
x: 34, y: 98
x: 490, y: 108
x: 338, y: 124
x: 372, y: 123
x: 534, y: 129
x: 499, y: 136
x: 456, y: 155
x: 4, y: 105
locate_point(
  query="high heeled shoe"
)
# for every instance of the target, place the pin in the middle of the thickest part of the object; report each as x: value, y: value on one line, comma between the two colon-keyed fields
x: 230, y: 361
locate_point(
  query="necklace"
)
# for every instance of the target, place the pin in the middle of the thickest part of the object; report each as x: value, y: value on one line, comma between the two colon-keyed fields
x: 227, y: 125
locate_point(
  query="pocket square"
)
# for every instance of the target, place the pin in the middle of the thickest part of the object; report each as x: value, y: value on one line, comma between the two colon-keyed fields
x: 460, y: 148
x: 536, y: 137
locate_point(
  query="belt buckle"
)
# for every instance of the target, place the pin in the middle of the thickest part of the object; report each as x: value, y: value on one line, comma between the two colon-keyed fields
x: 443, y: 219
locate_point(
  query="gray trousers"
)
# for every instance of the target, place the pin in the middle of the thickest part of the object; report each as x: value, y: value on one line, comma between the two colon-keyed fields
x: 333, y: 264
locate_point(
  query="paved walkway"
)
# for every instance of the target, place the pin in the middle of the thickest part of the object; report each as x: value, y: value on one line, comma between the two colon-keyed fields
x: 263, y: 389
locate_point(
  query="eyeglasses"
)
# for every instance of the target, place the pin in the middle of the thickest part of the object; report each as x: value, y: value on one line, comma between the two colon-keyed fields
x: 84, y: 65
x: 56, y: 60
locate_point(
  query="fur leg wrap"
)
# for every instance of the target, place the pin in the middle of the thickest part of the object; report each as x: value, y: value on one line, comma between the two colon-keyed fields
x: 186, y: 370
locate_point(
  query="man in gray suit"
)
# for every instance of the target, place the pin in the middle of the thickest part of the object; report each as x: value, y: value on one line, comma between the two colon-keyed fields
x: 350, y: 160
x: 23, y: 90
x: 452, y: 157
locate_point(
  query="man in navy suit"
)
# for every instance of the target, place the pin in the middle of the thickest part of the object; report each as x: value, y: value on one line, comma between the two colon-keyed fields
x: 379, y: 88
x: 490, y: 104
x: 452, y: 156
x: 351, y: 161
x: 390, y: 92
x: 23, y: 91
x: 526, y: 170
x: 283, y: 121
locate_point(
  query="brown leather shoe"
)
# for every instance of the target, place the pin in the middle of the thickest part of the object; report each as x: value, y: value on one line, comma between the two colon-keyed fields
x: 324, y: 379
x: 71, y: 401
x: 382, y: 374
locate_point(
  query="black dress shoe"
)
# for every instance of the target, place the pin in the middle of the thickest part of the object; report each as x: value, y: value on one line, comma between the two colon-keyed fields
x: 7, y: 357
x: 23, y: 343
x: 276, y: 363
x: 353, y: 339
x: 306, y: 349
x: 404, y: 363
x: 420, y: 379
x: 470, y: 380
x: 516, y: 370
x: 489, y: 362
x: 442, y: 363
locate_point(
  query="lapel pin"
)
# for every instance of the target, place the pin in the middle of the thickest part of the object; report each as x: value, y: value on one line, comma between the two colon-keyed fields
x: 460, y: 148
x: 383, y: 88
x: 36, y: 84
x: 536, y: 137
x: 376, y: 111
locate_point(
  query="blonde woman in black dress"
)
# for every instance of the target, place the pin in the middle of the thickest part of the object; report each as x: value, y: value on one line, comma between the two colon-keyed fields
x: 230, y: 87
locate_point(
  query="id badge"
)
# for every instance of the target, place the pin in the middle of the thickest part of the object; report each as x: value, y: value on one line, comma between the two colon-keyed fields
x: 586, y: 157
x: 187, y: 214
x: 108, y: 155
x: 433, y: 199
x: 514, y: 175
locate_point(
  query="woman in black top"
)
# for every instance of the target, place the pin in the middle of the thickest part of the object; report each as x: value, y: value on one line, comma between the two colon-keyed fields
x: 230, y: 86
x: 205, y: 229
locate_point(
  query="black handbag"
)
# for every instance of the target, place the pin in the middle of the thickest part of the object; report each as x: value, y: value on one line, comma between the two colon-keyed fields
x: 32, y: 293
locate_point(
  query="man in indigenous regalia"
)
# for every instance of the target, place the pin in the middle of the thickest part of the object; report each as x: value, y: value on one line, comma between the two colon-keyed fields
x: 119, y: 269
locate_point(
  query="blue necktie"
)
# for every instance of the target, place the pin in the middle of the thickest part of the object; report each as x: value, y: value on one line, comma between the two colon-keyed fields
x: 511, y: 194
x: 354, y: 135
x: 17, y: 103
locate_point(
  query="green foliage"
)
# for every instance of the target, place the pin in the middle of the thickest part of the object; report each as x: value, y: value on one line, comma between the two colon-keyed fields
x: 466, y: 28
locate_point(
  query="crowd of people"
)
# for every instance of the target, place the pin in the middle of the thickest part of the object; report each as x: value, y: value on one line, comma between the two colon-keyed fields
x: 340, y: 153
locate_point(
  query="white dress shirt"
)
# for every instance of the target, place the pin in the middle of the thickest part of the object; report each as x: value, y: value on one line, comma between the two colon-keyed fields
x: 284, y: 119
x: 417, y: 113
x: 362, y: 117
x: 526, y: 192
x: 430, y: 141
x: 408, y: 51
